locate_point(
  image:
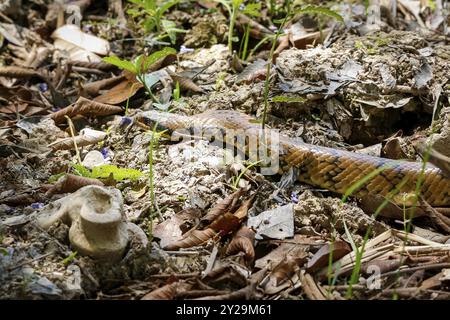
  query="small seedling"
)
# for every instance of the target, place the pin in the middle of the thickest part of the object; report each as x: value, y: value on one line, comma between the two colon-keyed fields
x: 70, y: 258
x: 235, y: 7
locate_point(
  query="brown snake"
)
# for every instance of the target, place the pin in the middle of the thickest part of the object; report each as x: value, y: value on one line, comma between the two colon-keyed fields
x: 328, y: 168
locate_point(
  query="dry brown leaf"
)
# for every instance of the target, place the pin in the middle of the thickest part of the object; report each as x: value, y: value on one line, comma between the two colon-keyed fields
x: 186, y: 84
x: 85, y: 107
x: 92, y: 89
x: 225, y: 224
x: 192, y: 239
x: 92, y: 65
x: 71, y: 183
x: 382, y: 265
x: 18, y: 199
x: 162, y: 62
x: 172, y: 229
x: 320, y: 259
x: 243, y: 241
x: 121, y: 92
x: 286, y: 268
x: 242, y: 212
x: 87, y: 138
x: 168, y: 292
x: 222, y: 206
x: 18, y: 72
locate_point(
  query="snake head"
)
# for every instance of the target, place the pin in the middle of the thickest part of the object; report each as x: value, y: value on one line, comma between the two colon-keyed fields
x: 161, y: 120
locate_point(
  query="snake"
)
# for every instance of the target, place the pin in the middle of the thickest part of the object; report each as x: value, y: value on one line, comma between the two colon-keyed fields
x: 332, y: 169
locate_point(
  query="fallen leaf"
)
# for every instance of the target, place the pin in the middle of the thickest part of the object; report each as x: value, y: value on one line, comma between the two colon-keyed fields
x: 222, y: 206
x: 168, y: 292
x: 274, y: 224
x: 243, y: 241
x: 85, y: 107
x: 320, y: 259
x: 71, y: 183
x: 172, y: 229
x: 192, y: 239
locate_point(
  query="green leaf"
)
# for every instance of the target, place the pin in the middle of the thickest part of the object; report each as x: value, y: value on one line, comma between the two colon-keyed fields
x: 122, y: 64
x: 288, y: 99
x: 118, y: 174
x: 80, y: 170
x: 171, y: 30
x: 158, y: 55
x: 252, y: 9
x: 55, y: 177
x: 166, y: 6
x: 3, y: 251
x: 321, y: 10
x: 69, y: 259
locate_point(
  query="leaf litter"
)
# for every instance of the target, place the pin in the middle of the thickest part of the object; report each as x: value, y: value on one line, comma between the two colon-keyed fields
x: 200, y: 227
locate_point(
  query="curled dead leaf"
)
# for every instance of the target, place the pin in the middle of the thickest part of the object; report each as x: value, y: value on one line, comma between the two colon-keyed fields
x: 186, y: 84
x: 243, y: 241
x: 71, y: 183
x: 242, y: 212
x: 192, y: 239
x: 320, y: 259
x: 284, y: 270
x: 382, y: 266
x: 86, y: 138
x: 85, y: 107
x: 92, y: 89
x: 222, y: 206
x: 225, y: 224
x: 120, y: 92
x: 18, y: 72
x: 168, y: 292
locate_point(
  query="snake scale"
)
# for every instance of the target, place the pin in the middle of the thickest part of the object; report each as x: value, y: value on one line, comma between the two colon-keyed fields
x: 332, y: 169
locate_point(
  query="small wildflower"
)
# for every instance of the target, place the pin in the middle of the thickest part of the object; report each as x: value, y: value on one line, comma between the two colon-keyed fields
x: 104, y: 152
x: 43, y: 86
x: 37, y: 205
x: 125, y: 121
x: 294, y: 197
x: 242, y: 7
x: 273, y: 28
x: 184, y: 49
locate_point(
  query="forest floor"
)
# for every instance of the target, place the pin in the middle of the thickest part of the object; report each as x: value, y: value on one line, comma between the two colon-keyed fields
x: 97, y: 201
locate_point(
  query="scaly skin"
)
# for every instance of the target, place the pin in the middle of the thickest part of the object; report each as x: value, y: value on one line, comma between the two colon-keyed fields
x: 333, y: 169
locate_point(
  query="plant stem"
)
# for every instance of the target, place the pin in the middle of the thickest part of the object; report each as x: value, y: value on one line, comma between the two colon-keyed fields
x: 269, y: 64
x: 149, y: 91
x: 230, y: 31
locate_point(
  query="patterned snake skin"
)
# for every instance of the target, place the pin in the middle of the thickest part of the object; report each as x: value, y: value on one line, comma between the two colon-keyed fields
x: 328, y: 168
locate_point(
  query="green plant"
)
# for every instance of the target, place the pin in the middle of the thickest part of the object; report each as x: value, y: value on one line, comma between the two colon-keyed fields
x: 238, y: 178
x: 153, y: 11
x: 140, y: 65
x: 177, y: 92
x: 289, y: 14
x: 69, y: 258
x: 244, y: 43
x: 235, y: 7
x: 107, y: 170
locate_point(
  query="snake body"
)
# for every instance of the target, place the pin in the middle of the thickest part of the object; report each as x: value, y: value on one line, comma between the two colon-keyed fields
x: 332, y: 169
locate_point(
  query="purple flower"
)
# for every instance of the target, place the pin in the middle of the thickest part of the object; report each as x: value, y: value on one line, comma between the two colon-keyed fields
x: 184, y: 49
x: 104, y: 152
x: 242, y: 7
x: 273, y: 28
x: 294, y: 197
x: 37, y: 205
x: 43, y: 86
x: 125, y: 121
